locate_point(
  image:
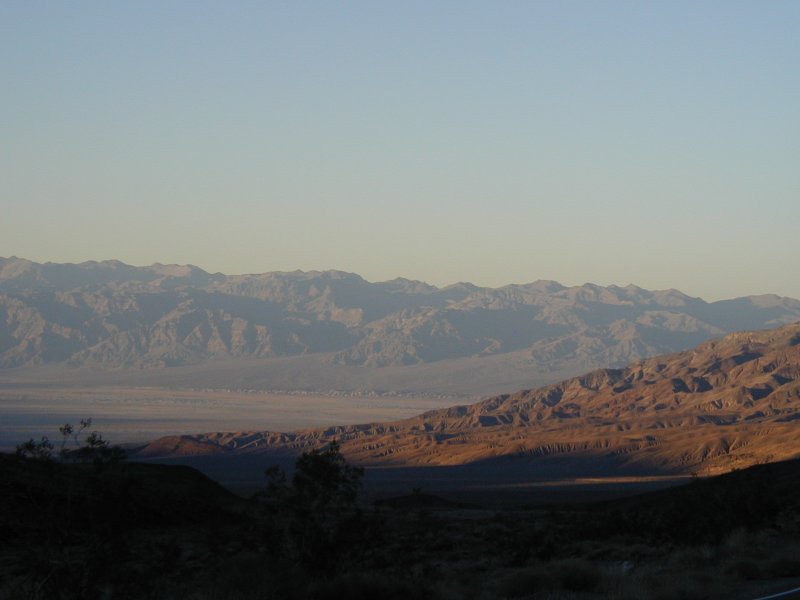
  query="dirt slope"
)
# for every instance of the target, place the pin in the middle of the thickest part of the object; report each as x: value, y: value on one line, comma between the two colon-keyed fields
x: 728, y: 403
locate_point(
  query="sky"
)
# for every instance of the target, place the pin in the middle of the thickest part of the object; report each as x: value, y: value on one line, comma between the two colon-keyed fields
x: 614, y: 142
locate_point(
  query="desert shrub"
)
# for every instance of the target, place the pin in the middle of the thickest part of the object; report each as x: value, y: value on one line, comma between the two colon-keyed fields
x: 369, y: 586
x: 571, y: 575
x: 243, y: 576
x: 788, y: 522
x: 679, y: 590
x: 578, y: 575
x: 680, y: 584
x: 316, y: 516
x: 78, y: 445
x: 693, y: 556
x: 782, y: 567
x: 738, y: 542
x: 41, y: 450
x: 744, y: 569
x: 523, y: 582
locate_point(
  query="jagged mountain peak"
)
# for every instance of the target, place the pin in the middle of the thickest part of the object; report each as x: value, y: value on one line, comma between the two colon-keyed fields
x: 110, y: 314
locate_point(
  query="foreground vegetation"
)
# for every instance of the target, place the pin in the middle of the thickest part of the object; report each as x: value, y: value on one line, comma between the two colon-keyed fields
x: 95, y: 526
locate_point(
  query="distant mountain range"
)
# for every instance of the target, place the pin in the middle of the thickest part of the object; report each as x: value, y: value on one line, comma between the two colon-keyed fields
x: 725, y: 404
x: 109, y: 315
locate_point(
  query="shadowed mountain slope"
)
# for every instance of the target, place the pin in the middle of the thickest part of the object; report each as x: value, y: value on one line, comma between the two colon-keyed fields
x: 730, y: 402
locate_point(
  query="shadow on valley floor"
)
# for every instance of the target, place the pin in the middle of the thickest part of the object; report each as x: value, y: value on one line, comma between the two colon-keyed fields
x: 495, y: 483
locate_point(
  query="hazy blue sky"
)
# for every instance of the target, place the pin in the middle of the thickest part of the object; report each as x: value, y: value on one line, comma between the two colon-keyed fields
x: 614, y: 142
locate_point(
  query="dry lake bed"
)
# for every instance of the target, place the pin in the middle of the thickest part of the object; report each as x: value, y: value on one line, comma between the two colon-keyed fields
x: 137, y: 414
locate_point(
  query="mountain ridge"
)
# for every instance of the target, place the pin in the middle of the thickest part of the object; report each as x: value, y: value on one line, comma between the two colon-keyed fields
x: 108, y: 315
x: 728, y: 403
